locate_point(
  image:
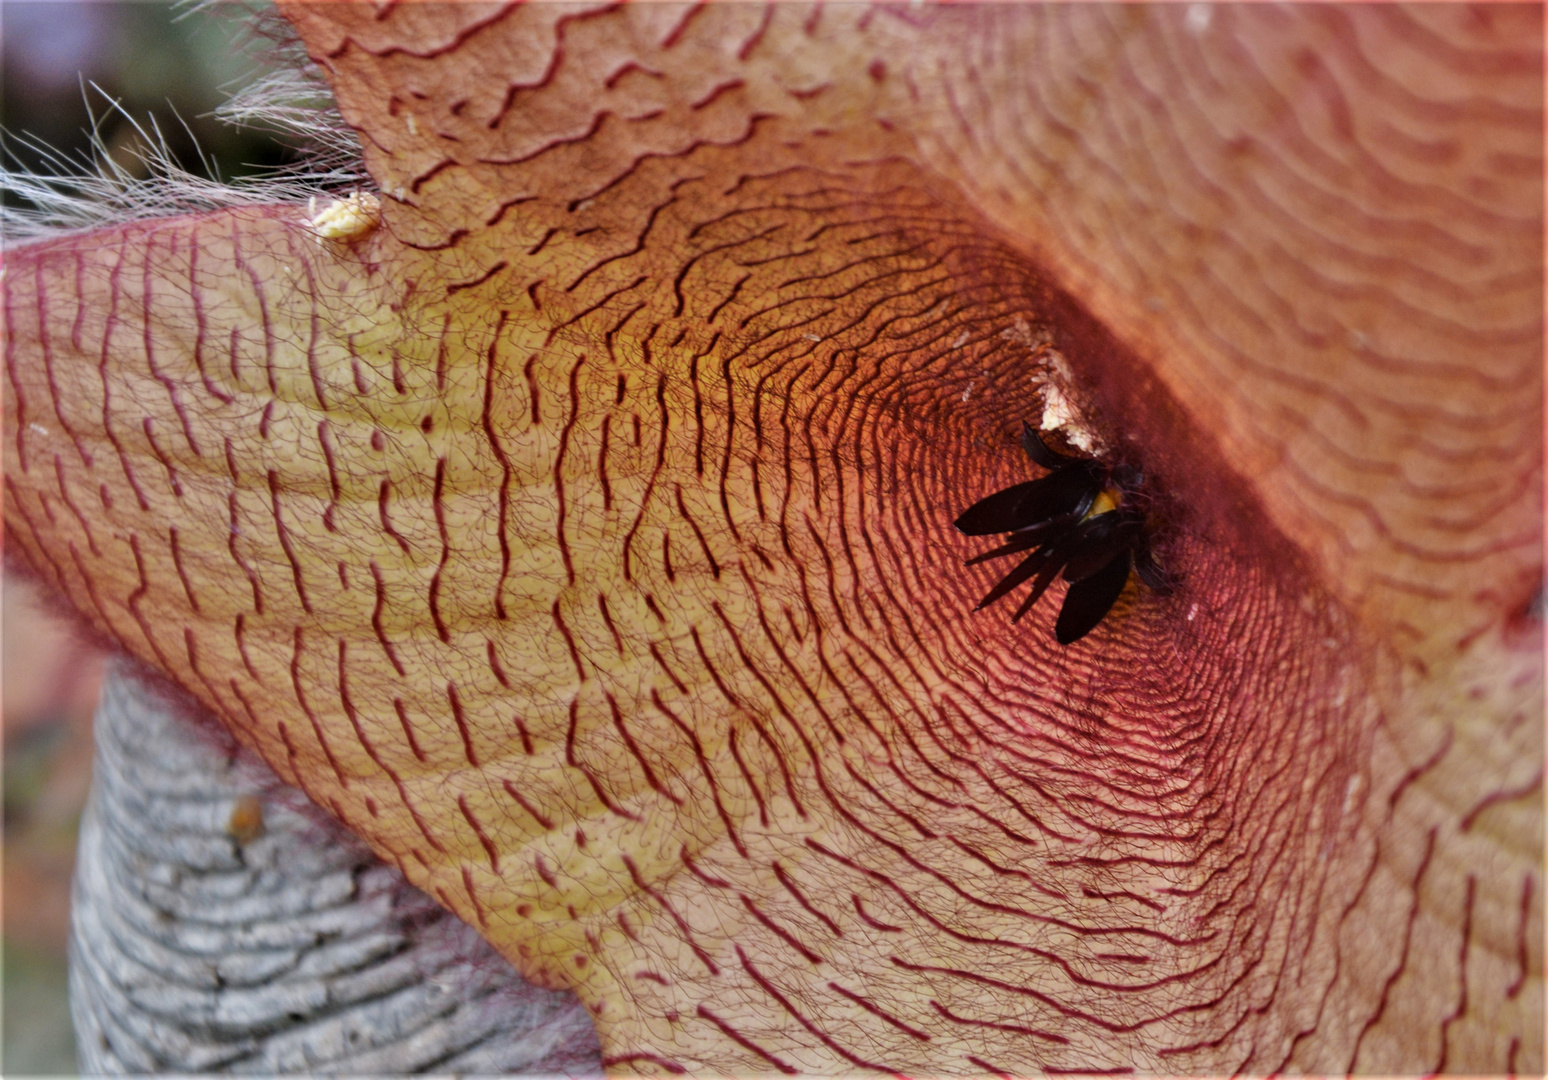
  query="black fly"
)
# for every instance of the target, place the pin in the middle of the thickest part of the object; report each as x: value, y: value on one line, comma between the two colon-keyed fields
x: 1073, y: 519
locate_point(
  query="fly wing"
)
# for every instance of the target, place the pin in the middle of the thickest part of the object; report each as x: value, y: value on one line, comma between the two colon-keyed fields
x: 1050, y: 559
x: 1088, y: 602
x: 1106, y: 535
x: 1070, y: 490
x: 1025, y: 539
x: 1040, y: 586
x: 994, y: 513
x: 1024, y: 569
x: 1039, y: 451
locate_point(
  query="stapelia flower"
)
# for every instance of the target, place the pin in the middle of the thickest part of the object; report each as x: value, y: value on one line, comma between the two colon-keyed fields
x: 574, y: 519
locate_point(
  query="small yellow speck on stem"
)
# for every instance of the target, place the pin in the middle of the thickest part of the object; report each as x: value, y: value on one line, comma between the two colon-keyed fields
x: 246, y: 821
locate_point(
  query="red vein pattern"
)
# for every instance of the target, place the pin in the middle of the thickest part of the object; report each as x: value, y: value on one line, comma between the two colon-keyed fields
x: 583, y: 533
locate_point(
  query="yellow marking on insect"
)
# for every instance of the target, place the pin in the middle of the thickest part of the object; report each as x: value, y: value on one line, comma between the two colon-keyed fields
x: 1105, y: 503
x: 345, y: 220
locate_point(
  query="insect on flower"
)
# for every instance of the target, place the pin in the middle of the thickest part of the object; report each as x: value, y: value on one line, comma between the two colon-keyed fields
x: 1073, y: 519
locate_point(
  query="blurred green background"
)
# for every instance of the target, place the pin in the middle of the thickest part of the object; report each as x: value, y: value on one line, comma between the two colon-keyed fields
x: 177, y: 65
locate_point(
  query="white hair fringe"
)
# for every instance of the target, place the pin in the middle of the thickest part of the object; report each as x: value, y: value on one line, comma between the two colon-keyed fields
x: 291, y: 100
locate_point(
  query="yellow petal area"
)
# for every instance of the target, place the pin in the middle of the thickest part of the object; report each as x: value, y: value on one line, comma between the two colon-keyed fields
x: 529, y: 590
